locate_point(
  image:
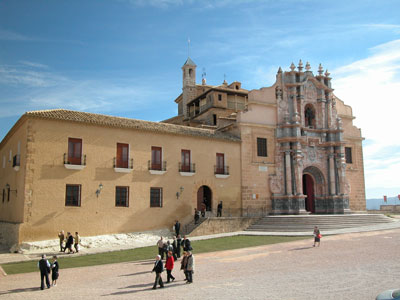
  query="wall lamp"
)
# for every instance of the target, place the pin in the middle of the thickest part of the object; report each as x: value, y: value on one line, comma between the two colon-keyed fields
x: 178, y: 194
x: 99, y: 190
x: 9, y: 190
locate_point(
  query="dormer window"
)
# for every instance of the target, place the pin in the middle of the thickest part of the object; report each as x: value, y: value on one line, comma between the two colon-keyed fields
x: 309, y: 116
x: 237, y: 87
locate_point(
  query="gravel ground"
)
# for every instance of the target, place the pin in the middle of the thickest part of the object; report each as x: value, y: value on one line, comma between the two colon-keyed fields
x: 350, y: 266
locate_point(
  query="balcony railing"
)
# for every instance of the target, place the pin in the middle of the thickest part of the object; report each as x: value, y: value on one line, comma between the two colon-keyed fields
x: 190, y: 168
x: 128, y: 165
x: 75, y: 163
x: 157, y: 166
x: 221, y: 170
x: 16, y: 161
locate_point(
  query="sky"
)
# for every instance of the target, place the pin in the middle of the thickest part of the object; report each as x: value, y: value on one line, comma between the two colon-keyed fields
x: 124, y: 58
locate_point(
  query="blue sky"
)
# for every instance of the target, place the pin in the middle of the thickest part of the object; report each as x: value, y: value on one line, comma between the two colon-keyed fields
x: 123, y: 58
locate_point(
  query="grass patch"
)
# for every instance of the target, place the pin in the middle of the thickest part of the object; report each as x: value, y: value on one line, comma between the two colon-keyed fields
x: 211, y: 245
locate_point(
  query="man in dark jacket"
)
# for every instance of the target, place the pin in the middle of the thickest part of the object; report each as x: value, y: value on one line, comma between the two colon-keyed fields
x: 177, y: 227
x: 44, y: 267
x: 219, y: 209
x: 158, y: 268
x: 186, y: 244
x: 178, y: 246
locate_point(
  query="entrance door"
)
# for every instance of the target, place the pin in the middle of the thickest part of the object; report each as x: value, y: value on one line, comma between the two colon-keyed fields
x: 204, y: 198
x: 308, y: 190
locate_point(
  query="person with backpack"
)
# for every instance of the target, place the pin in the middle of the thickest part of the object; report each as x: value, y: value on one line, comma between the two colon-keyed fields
x: 158, y: 268
x: 169, y: 265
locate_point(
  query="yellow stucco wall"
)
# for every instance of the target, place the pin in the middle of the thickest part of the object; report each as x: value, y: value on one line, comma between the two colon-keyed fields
x: 99, y: 215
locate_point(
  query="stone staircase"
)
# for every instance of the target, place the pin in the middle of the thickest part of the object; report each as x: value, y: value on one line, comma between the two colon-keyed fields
x: 324, y: 222
x: 188, y: 228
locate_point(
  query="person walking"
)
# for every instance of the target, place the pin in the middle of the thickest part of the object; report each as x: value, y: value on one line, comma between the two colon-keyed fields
x: 178, y: 246
x: 158, y: 268
x: 44, y: 267
x: 61, y: 236
x: 160, y: 245
x: 187, y: 246
x: 177, y: 227
x: 77, y: 240
x: 174, y: 248
x: 54, y: 271
x: 196, y: 216
x: 219, y: 209
x: 169, y: 265
x: 190, y: 267
x: 70, y: 242
x: 184, y: 264
x: 317, y: 236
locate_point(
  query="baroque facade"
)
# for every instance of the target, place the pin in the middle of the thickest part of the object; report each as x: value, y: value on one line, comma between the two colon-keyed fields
x: 290, y: 148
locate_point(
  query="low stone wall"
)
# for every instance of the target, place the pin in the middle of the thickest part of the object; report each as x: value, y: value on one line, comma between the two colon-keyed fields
x: 222, y: 225
x: 9, y: 233
x: 390, y: 208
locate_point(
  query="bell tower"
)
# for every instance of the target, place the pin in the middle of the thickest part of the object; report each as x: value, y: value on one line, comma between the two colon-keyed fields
x: 188, y: 84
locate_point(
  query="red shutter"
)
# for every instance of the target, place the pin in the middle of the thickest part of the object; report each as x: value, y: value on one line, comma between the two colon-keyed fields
x: 74, y: 151
x: 122, y: 155
x: 185, y: 156
x: 220, y: 163
x: 156, y: 158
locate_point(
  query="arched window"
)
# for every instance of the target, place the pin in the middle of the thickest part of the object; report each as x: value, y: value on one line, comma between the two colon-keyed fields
x: 309, y: 116
x: 190, y: 72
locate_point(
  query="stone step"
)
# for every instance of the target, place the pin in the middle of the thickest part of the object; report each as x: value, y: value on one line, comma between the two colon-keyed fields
x: 324, y: 222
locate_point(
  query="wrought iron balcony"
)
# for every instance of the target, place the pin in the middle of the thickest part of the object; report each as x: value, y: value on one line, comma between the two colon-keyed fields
x: 187, y: 168
x: 74, y: 162
x: 124, y: 165
x: 224, y: 170
x: 153, y: 166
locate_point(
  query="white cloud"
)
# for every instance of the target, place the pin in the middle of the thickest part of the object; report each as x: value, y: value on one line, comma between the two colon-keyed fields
x: 13, y: 36
x: 371, y: 86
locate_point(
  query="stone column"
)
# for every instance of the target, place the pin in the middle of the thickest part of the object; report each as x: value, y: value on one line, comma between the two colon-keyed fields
x: 332, y: 172
x: 288, y: 173
x: 298, y: 159
x: 341, y: 165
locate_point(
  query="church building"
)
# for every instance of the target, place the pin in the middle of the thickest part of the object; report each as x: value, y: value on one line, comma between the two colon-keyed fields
x: 290, y: 148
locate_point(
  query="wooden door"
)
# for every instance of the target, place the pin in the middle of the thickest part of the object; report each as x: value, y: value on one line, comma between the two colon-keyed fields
x: 220, y: 163
x: 74, y: 151
x: 185, y: 160
x: 156, y: 156
x: 122, y: 155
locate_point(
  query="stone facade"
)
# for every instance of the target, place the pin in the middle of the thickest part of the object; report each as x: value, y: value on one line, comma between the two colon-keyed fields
x: 286, y: 149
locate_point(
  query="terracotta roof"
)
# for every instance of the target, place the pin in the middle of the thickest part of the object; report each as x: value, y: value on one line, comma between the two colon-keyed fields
x: 104, y: 120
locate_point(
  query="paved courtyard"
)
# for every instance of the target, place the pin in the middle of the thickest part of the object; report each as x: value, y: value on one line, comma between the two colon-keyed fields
x: 350, y: 266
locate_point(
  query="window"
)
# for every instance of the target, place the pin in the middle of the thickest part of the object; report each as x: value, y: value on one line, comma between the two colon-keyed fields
x: 4, y: 161
x: 74, y: 151
x: 4, y: 195
x: 122, y: 196
x: 214, y: 119
x: 122, y: 155
x: 185, y: 160
x: 262, y: 147
x: 220, y: 167
x: 155, y: 197
x: 309, y: 116
x: 349, y: 157
x: 219, y: 97
x: 156, y: 157
x: 73, y: 195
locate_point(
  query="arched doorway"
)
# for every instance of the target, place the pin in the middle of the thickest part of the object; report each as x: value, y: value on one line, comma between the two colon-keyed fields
x: 308, y: 190
x: 204, y: 197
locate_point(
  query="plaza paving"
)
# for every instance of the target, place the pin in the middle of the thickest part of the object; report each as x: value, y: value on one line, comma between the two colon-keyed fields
x: 349, y: 266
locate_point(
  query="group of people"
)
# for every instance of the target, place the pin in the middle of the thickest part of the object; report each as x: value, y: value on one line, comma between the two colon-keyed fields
x: 67, y: 241
x: 45, y: 268
x: 202, y: 212
x: 187, y: 266
x: 172, y: 251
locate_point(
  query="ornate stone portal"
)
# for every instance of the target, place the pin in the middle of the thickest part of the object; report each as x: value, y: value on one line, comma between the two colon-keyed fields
x: 310, y: 174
